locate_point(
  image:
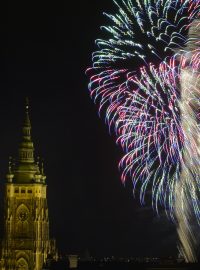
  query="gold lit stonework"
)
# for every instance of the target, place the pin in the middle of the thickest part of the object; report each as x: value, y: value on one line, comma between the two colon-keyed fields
x: 26, y: 242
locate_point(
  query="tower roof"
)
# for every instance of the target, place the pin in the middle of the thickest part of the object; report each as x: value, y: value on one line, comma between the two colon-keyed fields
x: 26, y: 169
x: 26, y: 149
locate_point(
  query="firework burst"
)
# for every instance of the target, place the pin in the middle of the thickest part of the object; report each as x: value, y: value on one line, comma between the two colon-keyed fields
x: 141, y: 77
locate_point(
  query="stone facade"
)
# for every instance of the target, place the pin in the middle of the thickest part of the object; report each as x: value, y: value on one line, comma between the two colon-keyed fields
x: 26, y: 243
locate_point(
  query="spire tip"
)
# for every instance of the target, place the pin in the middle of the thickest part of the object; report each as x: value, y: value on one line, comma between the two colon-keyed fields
x: 27, y: 103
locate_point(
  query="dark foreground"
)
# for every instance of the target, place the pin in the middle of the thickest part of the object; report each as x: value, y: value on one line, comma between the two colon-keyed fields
x: 135, y: 266
x: 98, y: 265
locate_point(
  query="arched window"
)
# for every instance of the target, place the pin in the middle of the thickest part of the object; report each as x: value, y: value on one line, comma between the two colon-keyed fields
x: 22, y: 221
x: 22, y: 264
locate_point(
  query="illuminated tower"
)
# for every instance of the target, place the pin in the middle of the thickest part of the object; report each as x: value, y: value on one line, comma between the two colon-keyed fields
x: 26, y: 242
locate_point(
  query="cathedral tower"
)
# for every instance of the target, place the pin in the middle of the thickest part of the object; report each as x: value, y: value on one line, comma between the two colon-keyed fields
x: 26, y: 242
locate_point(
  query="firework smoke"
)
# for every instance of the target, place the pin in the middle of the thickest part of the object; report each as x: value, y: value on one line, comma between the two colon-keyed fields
x: 187, y: 205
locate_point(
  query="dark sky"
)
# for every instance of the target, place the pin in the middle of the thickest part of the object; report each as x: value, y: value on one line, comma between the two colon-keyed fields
x: 45, y: 50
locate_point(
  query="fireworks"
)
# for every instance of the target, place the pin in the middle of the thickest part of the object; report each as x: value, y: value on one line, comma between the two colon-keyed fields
x: 187, y: 199
x: 141, y: 77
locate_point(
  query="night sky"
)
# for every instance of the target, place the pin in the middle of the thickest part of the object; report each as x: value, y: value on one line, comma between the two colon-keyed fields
x: 45, y: 50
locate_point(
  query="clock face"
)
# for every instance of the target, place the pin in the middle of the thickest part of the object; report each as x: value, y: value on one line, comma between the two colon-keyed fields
x: 23, y: 214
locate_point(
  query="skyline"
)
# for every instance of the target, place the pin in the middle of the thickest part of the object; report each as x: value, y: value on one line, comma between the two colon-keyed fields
x: 47, y: 63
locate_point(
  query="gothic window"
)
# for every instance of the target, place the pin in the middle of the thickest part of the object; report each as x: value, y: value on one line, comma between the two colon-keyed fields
x: 22, y: 224
x: 22, y: 264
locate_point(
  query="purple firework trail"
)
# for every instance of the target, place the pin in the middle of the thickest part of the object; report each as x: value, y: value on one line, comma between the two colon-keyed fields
x: 140, y: 79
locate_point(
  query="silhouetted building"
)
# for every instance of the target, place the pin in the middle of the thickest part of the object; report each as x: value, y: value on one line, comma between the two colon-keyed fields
x: 26, y: 242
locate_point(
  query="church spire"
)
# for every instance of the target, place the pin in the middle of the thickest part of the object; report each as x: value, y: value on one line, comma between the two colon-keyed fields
x: 26, y: 149
x: 26, y: 169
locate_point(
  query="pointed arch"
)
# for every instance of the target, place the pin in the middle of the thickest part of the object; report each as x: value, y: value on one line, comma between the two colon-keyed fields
x: 22, y: 264
x: 22, y: 221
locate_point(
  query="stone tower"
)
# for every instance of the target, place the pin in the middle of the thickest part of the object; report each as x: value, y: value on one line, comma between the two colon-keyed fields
x: 26, y: 242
